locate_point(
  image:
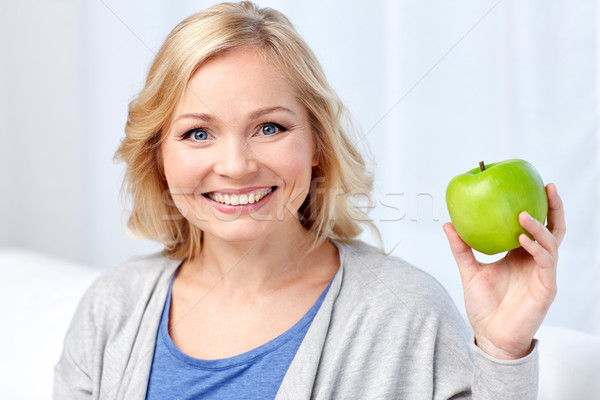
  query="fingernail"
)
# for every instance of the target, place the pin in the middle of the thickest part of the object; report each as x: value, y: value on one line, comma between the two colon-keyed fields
x: 529, y: 217
x: 526, y: 238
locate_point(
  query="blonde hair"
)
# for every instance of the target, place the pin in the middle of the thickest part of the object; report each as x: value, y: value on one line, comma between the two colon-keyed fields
x: 328, y: 211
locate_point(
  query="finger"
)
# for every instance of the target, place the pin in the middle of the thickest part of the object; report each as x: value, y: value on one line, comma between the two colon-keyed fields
x: 556, y: 213
x: 463, y: 254
x: 540, y: 233
x: 546, y: 262
x: 541, y: 256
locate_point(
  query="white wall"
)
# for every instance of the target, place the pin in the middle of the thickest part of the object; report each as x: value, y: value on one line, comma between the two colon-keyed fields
x: 41, y: 153
x: 435, y: 87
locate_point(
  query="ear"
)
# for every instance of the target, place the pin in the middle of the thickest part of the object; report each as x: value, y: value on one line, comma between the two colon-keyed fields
x: 158, y: 159
x: 315, y: 145
x: 315, y: 152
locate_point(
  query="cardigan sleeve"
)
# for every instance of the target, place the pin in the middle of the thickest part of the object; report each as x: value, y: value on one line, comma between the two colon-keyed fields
x: 72, y: 374
x: 505, y: 379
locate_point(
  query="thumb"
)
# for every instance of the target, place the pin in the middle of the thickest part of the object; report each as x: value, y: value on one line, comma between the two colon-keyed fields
x: 463, y: 254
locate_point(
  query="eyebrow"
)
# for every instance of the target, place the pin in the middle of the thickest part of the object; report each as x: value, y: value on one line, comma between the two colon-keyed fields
x: 253, y: 115
x: 269, y: 110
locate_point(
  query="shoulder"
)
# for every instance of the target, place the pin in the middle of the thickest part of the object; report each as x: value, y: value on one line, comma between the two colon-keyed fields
x: 109, y: 316
x: 372, y: 278
x: 120, y: 289
x: 385, y: 314
x: 137, y: 272
x: 367, y: 268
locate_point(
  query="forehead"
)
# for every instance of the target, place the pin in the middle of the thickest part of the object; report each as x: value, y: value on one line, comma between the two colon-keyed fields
x: 243, y: 76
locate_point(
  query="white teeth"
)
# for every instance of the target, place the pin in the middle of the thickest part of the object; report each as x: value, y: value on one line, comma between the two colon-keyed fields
x: 234, y: 199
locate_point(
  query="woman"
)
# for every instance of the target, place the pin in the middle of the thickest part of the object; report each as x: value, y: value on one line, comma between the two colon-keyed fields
x: 238, y: 163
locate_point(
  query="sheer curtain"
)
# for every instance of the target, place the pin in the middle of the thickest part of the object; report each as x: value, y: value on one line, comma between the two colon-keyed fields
x: 434, y: 87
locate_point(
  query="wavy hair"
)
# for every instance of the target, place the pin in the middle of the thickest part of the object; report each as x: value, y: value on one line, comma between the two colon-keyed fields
x: 327, y: 212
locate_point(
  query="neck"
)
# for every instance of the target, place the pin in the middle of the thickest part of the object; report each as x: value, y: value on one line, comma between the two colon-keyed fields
x: 254, y: 265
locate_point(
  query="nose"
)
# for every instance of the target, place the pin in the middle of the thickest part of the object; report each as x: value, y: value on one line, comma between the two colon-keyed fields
x: 235, y: 158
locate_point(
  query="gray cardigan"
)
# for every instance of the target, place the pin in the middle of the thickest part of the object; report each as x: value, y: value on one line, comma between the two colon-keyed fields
x: 385, y: 330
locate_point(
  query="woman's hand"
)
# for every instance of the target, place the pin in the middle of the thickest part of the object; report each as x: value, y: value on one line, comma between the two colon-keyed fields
x: 506, y: 301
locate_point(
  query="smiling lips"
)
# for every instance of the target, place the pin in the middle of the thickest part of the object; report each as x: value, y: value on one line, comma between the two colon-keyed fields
x: 235, y: 199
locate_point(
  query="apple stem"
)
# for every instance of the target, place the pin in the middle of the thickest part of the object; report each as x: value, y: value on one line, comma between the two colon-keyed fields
x: 482, y: 165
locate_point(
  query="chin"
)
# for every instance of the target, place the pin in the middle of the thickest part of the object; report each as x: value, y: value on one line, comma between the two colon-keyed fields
x: 238, y: 231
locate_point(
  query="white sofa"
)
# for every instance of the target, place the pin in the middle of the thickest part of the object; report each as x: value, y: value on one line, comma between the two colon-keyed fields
x: 38, y: 295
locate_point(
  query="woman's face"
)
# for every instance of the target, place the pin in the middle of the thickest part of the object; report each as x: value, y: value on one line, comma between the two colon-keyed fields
x: 238, y: 153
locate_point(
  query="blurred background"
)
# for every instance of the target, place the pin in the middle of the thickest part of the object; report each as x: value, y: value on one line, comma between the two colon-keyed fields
x: 434, y: 87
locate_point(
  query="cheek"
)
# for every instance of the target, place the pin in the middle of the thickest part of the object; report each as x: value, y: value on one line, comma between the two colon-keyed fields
x: 182, y: 168
x: 292, y: 162
x: 182, y: 172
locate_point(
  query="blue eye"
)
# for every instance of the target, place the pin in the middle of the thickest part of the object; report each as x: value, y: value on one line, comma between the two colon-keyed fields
x: 197, y: 134
x: 200, y: 135
x: 271, y: 129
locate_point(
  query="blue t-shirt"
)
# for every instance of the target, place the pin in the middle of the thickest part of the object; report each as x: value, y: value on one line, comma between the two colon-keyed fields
x: 256, y: 374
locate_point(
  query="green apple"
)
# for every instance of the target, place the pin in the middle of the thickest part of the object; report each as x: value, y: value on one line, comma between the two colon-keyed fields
x: 484, y: 204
